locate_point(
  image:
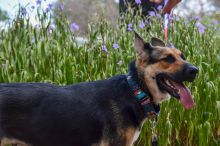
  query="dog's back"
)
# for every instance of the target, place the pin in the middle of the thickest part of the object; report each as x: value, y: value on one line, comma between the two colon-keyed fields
x: 69, y: 115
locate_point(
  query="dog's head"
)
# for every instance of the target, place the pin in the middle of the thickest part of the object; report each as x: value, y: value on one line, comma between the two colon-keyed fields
x: 163, y: 71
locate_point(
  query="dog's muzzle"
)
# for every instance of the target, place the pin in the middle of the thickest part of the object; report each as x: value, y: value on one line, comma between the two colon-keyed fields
x: 173, y: 84
x: 190, y: 72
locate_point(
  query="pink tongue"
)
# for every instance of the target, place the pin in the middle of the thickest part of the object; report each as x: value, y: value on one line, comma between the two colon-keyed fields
x: 185, y: 96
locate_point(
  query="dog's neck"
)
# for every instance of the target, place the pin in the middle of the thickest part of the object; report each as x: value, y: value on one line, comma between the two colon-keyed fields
x: 140, y: 92
x: 137, y: 77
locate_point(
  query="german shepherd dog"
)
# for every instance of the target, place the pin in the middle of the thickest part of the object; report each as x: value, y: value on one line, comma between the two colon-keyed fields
x: 101, y: 113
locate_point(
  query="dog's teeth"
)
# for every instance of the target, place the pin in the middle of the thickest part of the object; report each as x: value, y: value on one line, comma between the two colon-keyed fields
x: 168, y: 82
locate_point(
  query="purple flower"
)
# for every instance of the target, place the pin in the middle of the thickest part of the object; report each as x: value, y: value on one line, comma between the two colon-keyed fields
x: 192, y: 18
x: 74, y: 26
x: 130, y: 26
x: 50, y: 6
x: 215, y: 22
x: 51, y: 28
x: 200, y: 27
x: 141, y: 24
x: 138, y: 1
x: 152, y: 13
x: 47, y: 10
x: 23, y: 11
x: 159, y: 7
x: 104, y: 48
x: 39, y: 2
x: 171, y: 18
x: 62, y: 6
x: 120, y: 62
x: 172, y: 45
x: 199, y: 18
x: 115, y: 46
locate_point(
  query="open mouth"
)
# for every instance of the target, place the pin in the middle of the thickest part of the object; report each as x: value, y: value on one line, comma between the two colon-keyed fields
x: 175, y: 89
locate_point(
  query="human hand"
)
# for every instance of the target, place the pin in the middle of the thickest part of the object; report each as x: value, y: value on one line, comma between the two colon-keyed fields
x: 169, y: 6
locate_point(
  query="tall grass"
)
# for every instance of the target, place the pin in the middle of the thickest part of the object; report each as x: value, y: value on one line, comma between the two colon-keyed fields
x: 45, y: 54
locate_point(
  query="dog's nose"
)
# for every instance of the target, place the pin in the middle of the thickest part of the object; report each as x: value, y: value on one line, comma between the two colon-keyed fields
x: 191, y: 72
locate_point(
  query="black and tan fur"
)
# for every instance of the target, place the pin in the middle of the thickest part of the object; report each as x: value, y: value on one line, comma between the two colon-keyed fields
x: 99, y: 113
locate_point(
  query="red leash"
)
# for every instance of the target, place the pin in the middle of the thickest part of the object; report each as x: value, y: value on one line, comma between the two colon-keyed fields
x: 166, y: 23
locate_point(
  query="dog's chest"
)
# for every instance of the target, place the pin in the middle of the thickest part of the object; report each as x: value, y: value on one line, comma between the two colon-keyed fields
x: 137, y: 133
x: 135, y: 137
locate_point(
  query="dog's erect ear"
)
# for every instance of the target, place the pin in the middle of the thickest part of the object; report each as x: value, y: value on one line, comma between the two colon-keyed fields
x: 139, y: 44
x: 157, y: 42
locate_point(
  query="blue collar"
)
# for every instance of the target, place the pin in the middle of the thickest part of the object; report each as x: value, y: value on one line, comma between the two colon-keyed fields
x: 149, y: 107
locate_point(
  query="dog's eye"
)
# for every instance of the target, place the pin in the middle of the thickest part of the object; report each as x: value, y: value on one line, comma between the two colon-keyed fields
x: 183, y: 57
x: 169, y: 59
